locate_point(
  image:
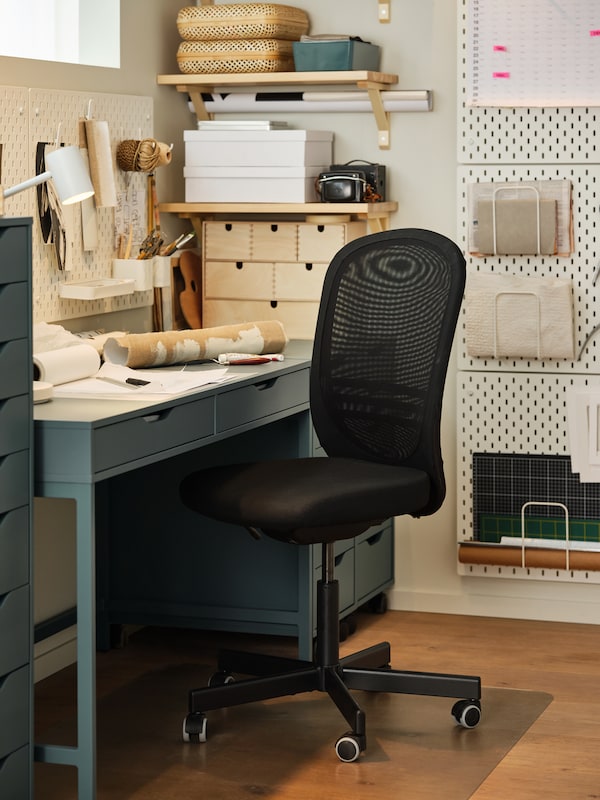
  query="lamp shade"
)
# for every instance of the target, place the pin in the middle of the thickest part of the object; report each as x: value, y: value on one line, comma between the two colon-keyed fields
x: 70, y: 175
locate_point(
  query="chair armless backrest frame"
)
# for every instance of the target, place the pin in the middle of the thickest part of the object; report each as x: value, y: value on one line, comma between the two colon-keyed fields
x: 386, y: 323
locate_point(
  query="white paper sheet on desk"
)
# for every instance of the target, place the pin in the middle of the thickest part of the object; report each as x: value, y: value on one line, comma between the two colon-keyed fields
x: 110, y: 382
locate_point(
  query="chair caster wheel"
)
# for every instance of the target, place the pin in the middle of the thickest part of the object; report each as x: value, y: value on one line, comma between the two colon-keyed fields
x: 348, y: 747
x: 221, y: 679
x: 467, y: 713
x: 194, y: 728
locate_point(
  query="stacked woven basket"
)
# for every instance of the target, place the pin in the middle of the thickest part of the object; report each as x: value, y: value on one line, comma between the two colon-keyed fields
x: 239, y: 37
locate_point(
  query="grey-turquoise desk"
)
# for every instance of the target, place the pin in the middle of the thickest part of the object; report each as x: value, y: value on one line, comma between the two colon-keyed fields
x: 144, y: 559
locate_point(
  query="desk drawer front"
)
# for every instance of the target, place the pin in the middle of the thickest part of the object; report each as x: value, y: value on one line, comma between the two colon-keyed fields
x: 15, y: 775
x: 14, y: 311
x: 374, y: 561
x: 14, y: 480
x: 14, y: 549
x: 15, y: 424
x: 153, y: 433
x: 15, y: 367
x: 238, y: 280
x: 15, y: 625
x: 14, y: 714
x: 248, y: 403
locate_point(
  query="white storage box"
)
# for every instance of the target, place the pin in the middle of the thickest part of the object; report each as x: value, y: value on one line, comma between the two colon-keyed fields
x: 247, y: 148
x: 251, y: 184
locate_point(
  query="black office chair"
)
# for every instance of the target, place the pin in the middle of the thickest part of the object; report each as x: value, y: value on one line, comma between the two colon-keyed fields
x: 386, y: 322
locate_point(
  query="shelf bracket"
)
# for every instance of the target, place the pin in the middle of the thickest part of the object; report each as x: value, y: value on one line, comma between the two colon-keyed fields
x: 197, y: 101
x: 382, y: 118
x: 384, y: 10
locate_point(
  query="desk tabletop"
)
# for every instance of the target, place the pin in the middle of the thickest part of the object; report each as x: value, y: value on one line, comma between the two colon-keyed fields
x: 91, y: 411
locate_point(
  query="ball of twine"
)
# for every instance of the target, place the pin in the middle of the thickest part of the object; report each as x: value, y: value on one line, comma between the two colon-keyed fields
x: 142, y: 155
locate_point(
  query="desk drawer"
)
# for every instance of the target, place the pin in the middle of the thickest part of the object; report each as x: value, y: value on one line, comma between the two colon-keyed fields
x: 299, y: 281
x: 248, y: 403
x: 374, y: 561
x: 15, y: 775
x: 14, y: 480
x: 14, y: 549
x: 14, y: 713
x: 151, y: 433
x: 15, y: 424
x: 15, y: 626
x: 14, y: 311
x: 16, y: 368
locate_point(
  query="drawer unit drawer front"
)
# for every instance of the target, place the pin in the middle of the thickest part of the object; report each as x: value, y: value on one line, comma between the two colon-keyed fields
x: 16, y: 368
x: 153, y: 432
x: 14, y: 311
x: 14, y: 714
x: 15, y: 624
x: 238, y: 280
x: 374, y: 561
x: 299, y: 281
x: 14, y: 549
x: 321, y: 242
x: 248, y: 403
x: 229, y: 241
x: 274, y: 241
x: 14, y: 480
x: 298, y: 319
x: 15, y: 246
x: 15, y: 424
x: 15, y: 776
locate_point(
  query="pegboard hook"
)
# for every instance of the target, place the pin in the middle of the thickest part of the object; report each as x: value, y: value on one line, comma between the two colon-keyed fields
x: 89, y: 109
x: 57, y: 140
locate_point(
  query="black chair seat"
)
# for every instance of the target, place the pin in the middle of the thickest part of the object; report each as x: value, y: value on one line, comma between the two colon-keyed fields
x: 307, y: 500
x: 387, y: 318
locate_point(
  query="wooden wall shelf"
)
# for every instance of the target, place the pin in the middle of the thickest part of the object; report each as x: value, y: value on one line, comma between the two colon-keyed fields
x: 372, y: 82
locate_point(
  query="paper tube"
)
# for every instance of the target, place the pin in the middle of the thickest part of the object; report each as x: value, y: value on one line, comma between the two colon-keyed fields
x: 180, y: 347
x: 66, y: 364
x: 535, y: 557
x: 101, y: 168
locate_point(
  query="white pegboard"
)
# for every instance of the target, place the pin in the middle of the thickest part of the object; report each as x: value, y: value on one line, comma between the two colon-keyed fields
x: 519, y: 406
x: 518, y: 413
x: 29, y: 116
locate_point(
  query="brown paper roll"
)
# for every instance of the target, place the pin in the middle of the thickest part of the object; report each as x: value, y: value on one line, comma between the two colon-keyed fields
x: 535, y: 557
x: 101, y: 169
x: 179, y: 347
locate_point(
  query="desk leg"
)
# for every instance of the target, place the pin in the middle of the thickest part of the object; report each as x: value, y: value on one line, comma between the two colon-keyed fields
x: 83, y: 756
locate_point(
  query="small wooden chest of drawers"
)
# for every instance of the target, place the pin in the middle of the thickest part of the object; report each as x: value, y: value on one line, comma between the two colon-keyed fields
x: 269, y: 270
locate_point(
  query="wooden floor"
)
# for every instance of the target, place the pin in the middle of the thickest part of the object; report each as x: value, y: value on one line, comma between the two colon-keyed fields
x: 557, y: 758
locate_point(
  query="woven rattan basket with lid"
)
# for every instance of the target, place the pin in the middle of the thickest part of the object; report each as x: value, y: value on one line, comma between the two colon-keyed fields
x: 235, y: 56
x: 242, y: 21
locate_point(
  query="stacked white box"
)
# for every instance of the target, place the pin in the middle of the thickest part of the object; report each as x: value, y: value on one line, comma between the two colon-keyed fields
x: 262, y: 166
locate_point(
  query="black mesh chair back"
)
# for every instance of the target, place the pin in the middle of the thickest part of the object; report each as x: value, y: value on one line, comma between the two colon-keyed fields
x: 383, y: 339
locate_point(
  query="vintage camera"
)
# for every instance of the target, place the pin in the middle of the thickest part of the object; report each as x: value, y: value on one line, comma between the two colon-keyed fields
x: 355, y: 181
x: 341, y: 186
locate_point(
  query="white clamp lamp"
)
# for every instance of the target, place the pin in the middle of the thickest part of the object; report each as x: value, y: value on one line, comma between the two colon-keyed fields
x: 68, y: 171
x: 72, y: 182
